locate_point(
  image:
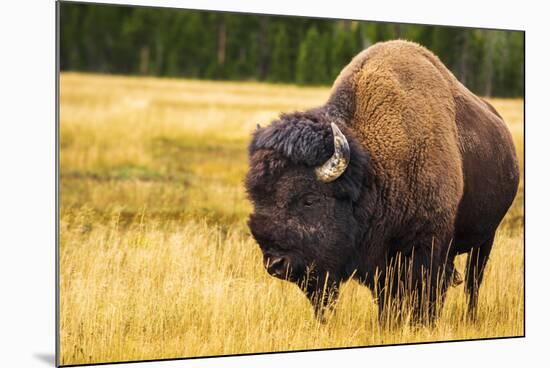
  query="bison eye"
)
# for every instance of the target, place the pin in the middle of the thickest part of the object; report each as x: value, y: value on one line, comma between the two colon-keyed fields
x: 309, y: 200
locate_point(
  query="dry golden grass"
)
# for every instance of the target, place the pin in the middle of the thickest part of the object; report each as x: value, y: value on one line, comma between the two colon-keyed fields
x: 155, y: 257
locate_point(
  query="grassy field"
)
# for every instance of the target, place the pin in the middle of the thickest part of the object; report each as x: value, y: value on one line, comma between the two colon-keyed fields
x: 156, y: 260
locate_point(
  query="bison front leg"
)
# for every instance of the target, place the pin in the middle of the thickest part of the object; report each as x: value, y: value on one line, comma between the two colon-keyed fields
x: 413, y: 286
x: 431, y: 275
x: 322, y: 293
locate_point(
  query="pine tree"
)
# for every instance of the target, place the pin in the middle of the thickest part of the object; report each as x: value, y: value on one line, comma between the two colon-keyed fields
x: 311, y: 63
x: 342, y: 50
x: 281, y: 67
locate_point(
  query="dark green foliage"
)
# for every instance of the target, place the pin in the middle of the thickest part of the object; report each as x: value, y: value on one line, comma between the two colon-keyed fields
x: 343, y: 49
x: 311, y: 65
x: 213, y: 45
x: 281, y: 60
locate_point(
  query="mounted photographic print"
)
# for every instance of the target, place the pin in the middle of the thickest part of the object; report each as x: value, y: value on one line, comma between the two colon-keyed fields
x: 235, y: 183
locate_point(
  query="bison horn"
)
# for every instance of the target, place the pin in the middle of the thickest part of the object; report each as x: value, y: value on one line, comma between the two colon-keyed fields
x: 337, y: 164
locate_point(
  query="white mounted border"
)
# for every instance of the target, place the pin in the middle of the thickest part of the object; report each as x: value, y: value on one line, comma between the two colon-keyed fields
x: 27, y: 184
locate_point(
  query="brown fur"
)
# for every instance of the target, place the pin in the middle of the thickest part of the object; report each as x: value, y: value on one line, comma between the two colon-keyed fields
x: 439, y: 151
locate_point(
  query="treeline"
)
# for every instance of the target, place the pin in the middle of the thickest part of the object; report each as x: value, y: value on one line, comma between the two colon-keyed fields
x: 213, y: 45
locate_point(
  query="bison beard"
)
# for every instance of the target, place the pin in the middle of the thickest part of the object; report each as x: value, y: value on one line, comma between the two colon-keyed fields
x: 400, y: 171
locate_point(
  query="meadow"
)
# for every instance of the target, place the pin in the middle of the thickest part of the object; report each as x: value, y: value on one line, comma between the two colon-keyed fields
x: 156, y: 260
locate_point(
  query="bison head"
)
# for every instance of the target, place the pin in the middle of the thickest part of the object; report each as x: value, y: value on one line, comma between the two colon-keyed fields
x: 306, y: 176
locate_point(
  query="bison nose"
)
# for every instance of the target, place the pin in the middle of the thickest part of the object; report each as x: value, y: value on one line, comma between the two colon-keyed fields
x: 277, y: 266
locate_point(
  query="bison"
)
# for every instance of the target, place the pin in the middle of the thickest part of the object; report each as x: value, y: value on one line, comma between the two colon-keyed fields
x: 401, y: 170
